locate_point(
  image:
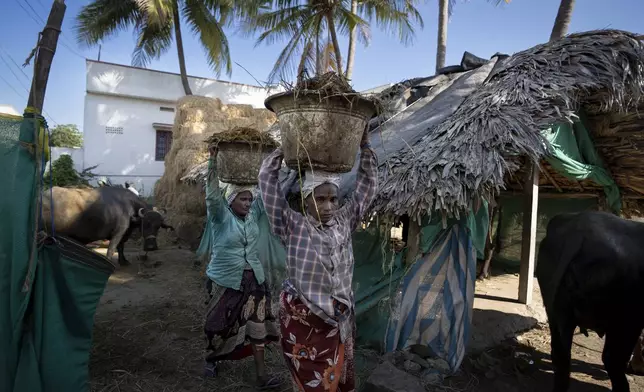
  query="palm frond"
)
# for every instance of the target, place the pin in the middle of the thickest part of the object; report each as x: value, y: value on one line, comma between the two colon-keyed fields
x: 154, y: 40
x: 157, y: 12
x: 347, y: 20
x: 281, y: 24
x: 204, y: 23
x: 398, y: 16
x: 102, y: 18
x: 296, y: 48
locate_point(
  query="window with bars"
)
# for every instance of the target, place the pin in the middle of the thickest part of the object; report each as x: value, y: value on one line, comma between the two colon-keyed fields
x: 164, y: 142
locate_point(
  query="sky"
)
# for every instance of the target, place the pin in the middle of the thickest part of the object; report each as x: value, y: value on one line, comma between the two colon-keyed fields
x: 477, y: 26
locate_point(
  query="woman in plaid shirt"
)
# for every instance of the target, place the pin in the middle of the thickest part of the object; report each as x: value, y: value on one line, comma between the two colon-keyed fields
x: 316, y: 305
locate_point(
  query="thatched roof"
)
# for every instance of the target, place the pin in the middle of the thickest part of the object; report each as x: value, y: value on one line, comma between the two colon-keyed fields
x: 470, y: 155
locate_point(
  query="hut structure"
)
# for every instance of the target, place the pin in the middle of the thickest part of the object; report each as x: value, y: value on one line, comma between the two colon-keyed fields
x: 562, y: 115
x: 454, y: 144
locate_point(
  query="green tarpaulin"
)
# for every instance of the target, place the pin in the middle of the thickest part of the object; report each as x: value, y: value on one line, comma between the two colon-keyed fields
x: 574, y: 156
x: 49, y: 288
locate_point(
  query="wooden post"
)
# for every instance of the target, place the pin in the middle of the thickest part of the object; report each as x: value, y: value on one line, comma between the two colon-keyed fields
x: 45, y: 54
x: 529, y: 237
x: 413, y: 242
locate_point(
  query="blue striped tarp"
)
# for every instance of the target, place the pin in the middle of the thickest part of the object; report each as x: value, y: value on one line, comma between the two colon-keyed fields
x: 434, y: 304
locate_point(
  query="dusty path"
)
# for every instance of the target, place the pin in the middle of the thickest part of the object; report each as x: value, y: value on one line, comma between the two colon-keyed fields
x: 148, y: 337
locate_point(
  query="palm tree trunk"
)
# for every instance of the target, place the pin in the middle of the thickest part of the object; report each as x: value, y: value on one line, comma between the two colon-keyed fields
x: 318, y: 55
x: 562, y: 22
x: 305, y: 54
x: 352, y: 42
x: 336, y: 44
x: 441, y: 47
x: 182, y: 57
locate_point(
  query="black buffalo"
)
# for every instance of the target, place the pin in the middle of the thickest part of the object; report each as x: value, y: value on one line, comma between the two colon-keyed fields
x: 106, y: 213
x: 591, y: 274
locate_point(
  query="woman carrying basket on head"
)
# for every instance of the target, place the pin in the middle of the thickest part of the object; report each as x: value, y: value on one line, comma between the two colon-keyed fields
x: 316, y: 305
x: 239, y: 319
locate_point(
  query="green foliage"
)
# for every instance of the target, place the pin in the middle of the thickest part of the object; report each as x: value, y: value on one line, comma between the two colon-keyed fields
x: 155, y: 24
x: 310, y: 30
x: 66, y: 135
x: 62, y: 173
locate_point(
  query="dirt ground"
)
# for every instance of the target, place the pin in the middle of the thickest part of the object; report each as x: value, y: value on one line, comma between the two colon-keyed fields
x: 148, y: 337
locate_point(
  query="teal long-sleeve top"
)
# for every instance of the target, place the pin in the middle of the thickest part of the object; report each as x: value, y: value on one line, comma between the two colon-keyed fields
x: 234, y: 240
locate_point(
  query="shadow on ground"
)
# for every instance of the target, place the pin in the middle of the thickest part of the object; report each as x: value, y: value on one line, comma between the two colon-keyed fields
x: 523, y: 364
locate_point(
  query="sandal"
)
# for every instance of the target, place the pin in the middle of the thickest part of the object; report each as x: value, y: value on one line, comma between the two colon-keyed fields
x: 270, y: 382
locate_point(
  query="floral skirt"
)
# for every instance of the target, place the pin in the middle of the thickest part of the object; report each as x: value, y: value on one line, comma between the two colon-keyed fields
x: 314, y: 354
x: 236, y: 319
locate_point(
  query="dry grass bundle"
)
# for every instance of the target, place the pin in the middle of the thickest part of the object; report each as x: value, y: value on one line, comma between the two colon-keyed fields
x: 326, y: 84
x: 197, y: 119
x: 244, y: 135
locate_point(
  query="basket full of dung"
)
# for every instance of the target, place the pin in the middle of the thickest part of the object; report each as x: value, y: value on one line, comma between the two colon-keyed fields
x: 321, y: 123
x: 241, y: 152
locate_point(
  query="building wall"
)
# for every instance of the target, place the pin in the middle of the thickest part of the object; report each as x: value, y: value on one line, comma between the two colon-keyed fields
x: 120, y: 80
x: 129, y: 155
x: 129, y: 101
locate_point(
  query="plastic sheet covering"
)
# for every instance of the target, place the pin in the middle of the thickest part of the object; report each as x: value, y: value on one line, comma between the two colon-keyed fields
x: 57, y: 329
x: 49, y: 290
x: 574, y: 155
x: 434, y: 302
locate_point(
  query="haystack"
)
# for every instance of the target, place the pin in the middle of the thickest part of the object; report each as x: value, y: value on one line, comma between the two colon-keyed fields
x: 197, y: 118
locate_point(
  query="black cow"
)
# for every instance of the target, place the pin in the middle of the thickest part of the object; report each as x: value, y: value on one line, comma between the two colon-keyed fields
x: 591, y: 274
x: 106, y: 213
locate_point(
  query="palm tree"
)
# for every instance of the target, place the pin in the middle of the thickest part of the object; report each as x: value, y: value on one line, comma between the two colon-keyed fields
x: 389, y: 15
x: 445, y: 10
x: 562, y: 22
x: 309, y: 27
x: 156, y: 23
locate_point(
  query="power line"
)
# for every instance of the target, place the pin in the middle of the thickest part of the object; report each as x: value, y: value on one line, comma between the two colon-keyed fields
x: 42, y: 21
x: 11, y: 70
x: 34, y: 11
x: 24, y: 98
x: 27, y: 12
x: 11, y: 86
x: 14, y: 62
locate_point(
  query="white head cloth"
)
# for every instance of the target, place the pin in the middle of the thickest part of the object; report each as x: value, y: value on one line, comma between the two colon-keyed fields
x: 313, y: 179
x: 232, y: 190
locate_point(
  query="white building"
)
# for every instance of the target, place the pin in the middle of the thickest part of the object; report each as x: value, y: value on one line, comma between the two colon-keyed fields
x: 129, y: 114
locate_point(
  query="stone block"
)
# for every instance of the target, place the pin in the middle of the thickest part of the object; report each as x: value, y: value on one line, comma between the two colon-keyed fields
x: 387, y: 378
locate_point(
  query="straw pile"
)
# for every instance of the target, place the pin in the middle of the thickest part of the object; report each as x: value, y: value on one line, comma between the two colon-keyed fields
x: 197, y: 118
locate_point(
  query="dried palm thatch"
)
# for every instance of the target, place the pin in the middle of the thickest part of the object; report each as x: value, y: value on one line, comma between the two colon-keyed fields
x: 468, y: 157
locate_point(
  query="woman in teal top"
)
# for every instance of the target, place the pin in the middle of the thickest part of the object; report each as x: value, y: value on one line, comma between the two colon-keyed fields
x: 239, y: 320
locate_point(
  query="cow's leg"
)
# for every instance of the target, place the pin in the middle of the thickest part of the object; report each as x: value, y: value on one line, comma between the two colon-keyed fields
x: 617, y: 351
x: 115, y: 242
x: 637, y: 363
x: 120, y: 248
x: 562, y: 329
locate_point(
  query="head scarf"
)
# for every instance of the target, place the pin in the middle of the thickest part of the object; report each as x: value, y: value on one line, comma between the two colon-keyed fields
x: 232, y: 190
x: 313, y: 179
